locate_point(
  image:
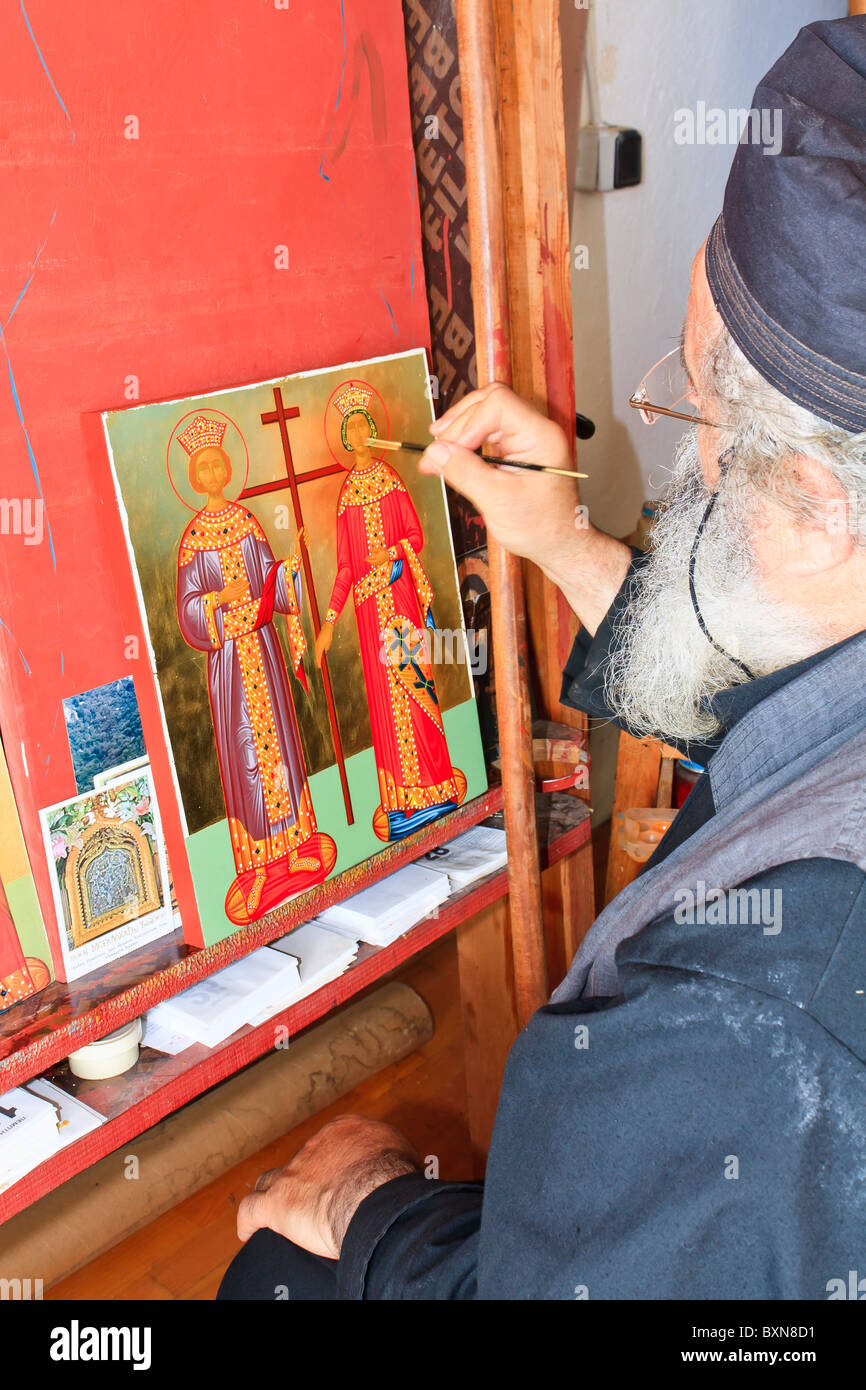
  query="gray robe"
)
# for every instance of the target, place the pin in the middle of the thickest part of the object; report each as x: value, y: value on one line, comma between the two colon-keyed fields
x: 686, y: 1118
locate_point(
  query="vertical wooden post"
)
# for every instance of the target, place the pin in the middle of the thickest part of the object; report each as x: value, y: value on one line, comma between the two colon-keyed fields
x: 485, y: 963
x: 537, y: 115
x: 637, y: 775
x: 477, y: 49
x: 536, y: 202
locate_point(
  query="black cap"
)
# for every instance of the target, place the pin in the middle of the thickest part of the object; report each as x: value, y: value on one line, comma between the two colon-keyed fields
x: 786, y: 260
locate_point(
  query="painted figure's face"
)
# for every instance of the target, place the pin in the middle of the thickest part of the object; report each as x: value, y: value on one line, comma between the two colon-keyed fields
x: 211, y: 472
x: 357, y: 433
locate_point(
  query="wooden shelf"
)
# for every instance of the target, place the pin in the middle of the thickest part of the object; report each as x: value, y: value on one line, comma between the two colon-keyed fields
x: 40, y: 1031
x: 160, y: 1084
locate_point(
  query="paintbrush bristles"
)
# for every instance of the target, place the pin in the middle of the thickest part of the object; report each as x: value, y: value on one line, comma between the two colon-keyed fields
x: 386, y: 443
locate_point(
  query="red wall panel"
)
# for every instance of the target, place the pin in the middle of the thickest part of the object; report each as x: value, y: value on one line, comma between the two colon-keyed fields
x: 154, y: 257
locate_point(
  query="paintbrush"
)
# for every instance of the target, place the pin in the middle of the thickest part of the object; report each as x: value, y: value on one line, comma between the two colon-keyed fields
x: 488, y: 458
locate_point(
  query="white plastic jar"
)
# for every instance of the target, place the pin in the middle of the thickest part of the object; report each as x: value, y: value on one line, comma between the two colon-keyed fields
x: 108, y: 1056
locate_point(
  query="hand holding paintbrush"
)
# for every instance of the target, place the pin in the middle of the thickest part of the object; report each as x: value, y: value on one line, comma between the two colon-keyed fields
x: 529, y: 511
x: 463, y: 423
x: 535, y: 515
x: 404, y: 444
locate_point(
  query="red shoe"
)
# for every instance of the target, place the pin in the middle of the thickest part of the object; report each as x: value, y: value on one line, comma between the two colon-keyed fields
x: 311, y: 862
x: 381, y: 824
x: 256, y: 892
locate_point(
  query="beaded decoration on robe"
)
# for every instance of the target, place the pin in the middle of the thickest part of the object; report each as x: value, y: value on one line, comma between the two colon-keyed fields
x: 368, y: 485
x: 408, y: 682
x: 216, y: 530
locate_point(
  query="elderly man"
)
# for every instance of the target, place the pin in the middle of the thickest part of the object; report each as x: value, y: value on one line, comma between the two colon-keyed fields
x: 686, y: 1118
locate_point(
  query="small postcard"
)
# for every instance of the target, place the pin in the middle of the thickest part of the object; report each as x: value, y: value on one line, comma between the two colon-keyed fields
x: 110, y: 874
x: 103, y: 726
x: 109, y: 777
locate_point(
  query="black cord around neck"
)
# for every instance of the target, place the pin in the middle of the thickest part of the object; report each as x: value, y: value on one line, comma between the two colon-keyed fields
x: 725, y: 460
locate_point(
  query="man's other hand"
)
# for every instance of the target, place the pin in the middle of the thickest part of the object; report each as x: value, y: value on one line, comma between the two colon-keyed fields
x: 312, y: 1199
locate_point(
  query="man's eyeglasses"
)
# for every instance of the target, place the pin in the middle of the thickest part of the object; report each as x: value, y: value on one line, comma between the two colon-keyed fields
x: 665, y: 391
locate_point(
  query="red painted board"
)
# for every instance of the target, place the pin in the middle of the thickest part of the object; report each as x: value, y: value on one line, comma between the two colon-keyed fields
x: 156, y: 157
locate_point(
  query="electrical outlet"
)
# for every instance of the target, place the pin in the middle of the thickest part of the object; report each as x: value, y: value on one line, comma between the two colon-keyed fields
x: 608, y: 157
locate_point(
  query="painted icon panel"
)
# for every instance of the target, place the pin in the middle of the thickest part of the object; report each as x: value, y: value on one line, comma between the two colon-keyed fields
x: 301, y: 601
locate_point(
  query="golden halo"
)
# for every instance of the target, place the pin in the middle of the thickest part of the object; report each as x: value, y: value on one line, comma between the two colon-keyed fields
x: 177, y: 459
x: 333, y: 420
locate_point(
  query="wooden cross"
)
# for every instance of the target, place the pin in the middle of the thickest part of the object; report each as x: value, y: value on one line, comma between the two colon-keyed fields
x: 279, y: 416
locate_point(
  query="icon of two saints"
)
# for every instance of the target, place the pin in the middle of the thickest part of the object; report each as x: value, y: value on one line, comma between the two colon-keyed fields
x: 230, y: 588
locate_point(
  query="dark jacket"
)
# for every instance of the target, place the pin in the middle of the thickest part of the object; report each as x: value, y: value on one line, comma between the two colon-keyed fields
x: 701, y: 1133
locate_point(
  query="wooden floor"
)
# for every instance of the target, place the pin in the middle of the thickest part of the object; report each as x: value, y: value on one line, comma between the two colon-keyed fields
x: 182, y: 1255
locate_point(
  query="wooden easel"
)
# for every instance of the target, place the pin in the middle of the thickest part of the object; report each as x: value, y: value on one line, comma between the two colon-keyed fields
x: 644, y: 777
x: 511, y: 90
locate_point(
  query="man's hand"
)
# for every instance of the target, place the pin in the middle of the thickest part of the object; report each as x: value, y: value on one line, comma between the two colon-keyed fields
x: 378, y: 556
x: 530, y: 514
x: 323, y: 641
x: 304, y: 537
x: 313, y: 1198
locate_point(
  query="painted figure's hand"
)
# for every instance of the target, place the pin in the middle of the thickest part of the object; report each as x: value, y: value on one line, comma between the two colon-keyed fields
x: 232, y: 592
x: 304, y: 537
x: 323, y: 641
x: 313, y: 1198
x: 378, y: 556
x: 531, y: 514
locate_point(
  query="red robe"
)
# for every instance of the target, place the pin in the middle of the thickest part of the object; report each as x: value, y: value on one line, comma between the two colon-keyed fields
x: 412, y: 759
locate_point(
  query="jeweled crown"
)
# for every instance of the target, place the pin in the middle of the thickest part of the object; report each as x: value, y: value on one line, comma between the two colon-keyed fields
x: 355, y: 397
x: 203, y: 433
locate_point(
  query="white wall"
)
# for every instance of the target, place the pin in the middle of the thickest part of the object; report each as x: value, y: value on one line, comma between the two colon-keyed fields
x: 651, y: 58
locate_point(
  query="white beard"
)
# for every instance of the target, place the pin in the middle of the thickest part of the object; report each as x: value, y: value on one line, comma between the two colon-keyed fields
x: 662, y: 669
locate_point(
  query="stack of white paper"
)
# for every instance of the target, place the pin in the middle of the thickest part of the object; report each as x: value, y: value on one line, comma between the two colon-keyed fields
x: 29, y: 1132
x: 382, y: 912
x: 212, y: 1010
x: 160, y: 1032
x: 321, y: 954
x: 481, y: 851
